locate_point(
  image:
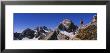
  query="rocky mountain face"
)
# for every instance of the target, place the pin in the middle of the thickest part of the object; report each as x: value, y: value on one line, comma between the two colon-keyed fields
x: 87, y: 33
x: 38, y: 33
x: 66, y: 30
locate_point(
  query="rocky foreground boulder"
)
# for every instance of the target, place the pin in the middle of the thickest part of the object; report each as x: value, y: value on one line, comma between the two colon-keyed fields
x: 88, y: 33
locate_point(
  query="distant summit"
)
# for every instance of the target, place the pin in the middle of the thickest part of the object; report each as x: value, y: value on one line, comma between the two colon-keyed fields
x: 64, y: 30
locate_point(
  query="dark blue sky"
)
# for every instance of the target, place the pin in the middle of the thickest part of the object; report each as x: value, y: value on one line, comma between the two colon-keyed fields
x: 51, y: 20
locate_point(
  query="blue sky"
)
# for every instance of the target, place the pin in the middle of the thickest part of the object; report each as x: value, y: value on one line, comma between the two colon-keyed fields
x: 51, y: 20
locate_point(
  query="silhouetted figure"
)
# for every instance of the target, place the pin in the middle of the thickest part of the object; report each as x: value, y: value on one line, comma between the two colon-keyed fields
x: 81, y: 22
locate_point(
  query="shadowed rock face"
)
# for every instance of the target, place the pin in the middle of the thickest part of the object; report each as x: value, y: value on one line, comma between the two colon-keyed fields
x: 28, y: 33
x: 16, y: 36
x: 53, y: 36
x: 66, y: 25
